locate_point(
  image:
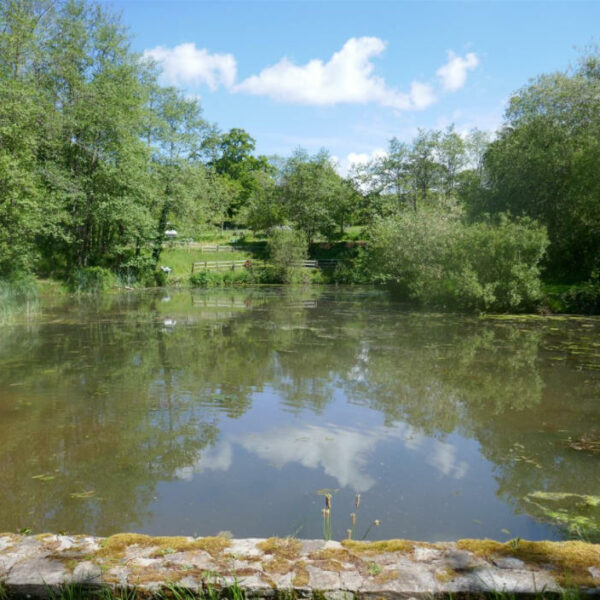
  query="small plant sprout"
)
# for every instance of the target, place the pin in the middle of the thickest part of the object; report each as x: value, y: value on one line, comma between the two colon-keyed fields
x: 375, y: 523
x: 357, y: 501
x: 328, y: 501
x: 514, y: 543
x: 326, y: 514
x: 348, y: 534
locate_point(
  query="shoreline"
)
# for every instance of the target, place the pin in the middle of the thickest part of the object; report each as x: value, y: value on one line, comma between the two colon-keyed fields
x: 39, y: 566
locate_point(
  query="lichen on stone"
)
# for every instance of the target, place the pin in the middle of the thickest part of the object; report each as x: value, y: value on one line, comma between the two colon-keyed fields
x: 379, y: 547
x: 301, y: 575
x: 116, y: 546
x: 571, y: 559
x: 287, y: 548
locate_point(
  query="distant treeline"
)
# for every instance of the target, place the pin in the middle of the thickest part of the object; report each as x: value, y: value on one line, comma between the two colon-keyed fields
x: 98, y: 159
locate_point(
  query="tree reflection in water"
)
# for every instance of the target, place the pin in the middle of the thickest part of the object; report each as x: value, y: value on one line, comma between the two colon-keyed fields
x: 104, y: 399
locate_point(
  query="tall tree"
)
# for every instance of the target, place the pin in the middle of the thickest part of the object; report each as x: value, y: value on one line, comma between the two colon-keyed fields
x: 546, y: 164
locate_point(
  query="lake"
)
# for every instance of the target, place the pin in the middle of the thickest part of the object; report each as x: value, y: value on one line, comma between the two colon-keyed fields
x: 197, y: 412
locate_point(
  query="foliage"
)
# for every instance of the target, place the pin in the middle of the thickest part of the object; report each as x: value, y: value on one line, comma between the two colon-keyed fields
x: 211, y: 279
x: 231, y: 155
x: 287, y: 248
x: 437, y: 259
x: 544, y: 164
x: 315, y: 198
x: 583, y: 298
x: 91, y: 279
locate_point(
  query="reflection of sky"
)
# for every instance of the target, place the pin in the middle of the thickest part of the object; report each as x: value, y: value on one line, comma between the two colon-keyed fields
x: 343, y: 454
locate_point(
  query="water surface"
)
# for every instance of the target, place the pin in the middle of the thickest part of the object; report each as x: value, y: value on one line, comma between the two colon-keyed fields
x: 198, y: 412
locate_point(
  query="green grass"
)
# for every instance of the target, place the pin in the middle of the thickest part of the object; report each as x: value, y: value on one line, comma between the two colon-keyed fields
x: 182, y: 259
x: 213, y: 591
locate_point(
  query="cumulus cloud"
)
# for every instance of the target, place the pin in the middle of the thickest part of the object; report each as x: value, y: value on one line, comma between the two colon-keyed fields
x: 347, y: 77
x: 453, y: 75
x: 187, y: 65
x: 355, y: 159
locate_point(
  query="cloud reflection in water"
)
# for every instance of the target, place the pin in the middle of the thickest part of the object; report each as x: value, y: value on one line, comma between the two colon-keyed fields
x: 341, y: 453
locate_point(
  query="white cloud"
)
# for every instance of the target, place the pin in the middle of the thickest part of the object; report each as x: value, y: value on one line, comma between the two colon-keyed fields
x: 347, y: 77
x: 187, y: 65
x: 355, y: 159
x: 421, y: 95
x: 453, y: 74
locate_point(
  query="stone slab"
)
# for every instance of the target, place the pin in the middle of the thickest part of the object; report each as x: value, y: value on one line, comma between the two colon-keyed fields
x: 35, y: 566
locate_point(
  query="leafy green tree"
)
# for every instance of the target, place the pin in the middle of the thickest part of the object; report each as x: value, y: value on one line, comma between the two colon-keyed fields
x: 435, y: 258
x: 265, y: 208
x: 25, y: 112
x: 311, y: 190
x: 175, y: 140
x: 232, y: 155
x: 453, y: 157
x: 545, y: 161
x: 287, y: 248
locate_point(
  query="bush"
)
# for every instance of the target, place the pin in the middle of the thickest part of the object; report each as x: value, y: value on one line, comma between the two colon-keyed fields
x: 18, y: 288
x: 160, y: 278
x: 91, y: 279
x: 211, y: 279
x: 287, y: 248
x: 583, y: 298
x: 434, y: 257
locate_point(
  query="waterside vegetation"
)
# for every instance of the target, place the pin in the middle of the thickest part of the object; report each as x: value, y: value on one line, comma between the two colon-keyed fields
x: 466, y: 222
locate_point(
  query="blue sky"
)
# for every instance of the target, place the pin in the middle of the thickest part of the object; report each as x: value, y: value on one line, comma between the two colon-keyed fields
x: 267, y: 66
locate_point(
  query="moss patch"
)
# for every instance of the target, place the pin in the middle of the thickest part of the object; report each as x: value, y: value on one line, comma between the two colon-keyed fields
x: 287, y: 548
x: 301, y: 575
x: 278, y: 565
x: 379, y: 547
x: 329, y: 564
x: 571, y: 559
x: 386, y: 576
x: 445, y: 575
x: 338, y: 555
x: 115, y: 546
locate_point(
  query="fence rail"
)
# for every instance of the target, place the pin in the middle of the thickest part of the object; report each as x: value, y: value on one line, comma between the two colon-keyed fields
x: 219, y: 265
x: 222, y: 265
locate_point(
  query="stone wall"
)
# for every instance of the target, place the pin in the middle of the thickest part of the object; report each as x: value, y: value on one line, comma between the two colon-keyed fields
x: 36, y: 565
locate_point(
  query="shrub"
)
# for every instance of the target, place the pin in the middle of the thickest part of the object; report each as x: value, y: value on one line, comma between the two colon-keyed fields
x: 287, y: 248
x: 434, y: 257
x: 18, y: 288
x: 579, y: 299
x: 91, y: 279
x: 212, y: 279
x: 265, y: 274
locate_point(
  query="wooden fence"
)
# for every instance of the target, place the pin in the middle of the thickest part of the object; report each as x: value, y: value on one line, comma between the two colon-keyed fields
x: 232, y: 265
x: 224, y: 265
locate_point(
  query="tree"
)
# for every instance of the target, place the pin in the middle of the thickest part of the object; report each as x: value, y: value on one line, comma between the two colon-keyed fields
x: 423, y: 169
x: 311, y: 189
x: 546, y: 164
x: 232, y: 154
x: 25, y: 113
x: 452, y: 156
x: 175, y: 138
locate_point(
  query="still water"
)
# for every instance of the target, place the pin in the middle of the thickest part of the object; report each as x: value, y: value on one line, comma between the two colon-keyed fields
x: 199, y: 412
